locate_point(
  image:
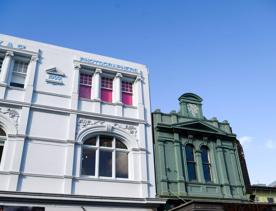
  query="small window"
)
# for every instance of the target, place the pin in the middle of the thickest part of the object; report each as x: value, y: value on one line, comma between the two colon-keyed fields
x: 2, y: 141
x: 106, y: 89
x: 127, y: 93
x: 191, y: 164
x: 85, y: 85
x: 108, y: 153
x: 206, y: 163
x: 19, y: 74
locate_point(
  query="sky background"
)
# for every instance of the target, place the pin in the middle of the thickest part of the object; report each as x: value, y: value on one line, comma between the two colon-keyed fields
x: 224, y: 51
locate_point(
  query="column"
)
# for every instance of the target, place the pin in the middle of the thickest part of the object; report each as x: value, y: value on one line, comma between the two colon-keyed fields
x: 75, y: 91
x: 97, y: 84
x: 5, y: 67
x: 222, y: 171
x: 96, y: 89
x: 161, y: 169
x: 118, y: 88
x: 30, y: 79
x: 139, y: 96
x: 179, y: 166
x: 117, y: 94
x: 199, y: 166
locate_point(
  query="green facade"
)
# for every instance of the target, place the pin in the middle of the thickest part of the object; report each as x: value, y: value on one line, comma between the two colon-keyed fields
x: 173, y: 132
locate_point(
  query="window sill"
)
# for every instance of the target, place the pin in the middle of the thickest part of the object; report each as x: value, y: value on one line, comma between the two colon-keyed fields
x: 16, y: 88
x: 107, y: 179
x: 107, y: 103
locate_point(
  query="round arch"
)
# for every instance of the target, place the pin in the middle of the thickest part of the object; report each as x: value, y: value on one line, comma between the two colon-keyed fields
x: 8, y: 126
x: 125, y: 137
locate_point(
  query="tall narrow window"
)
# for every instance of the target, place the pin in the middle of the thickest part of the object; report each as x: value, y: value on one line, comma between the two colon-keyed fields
x: 19, y: 74
x: 1, y: 62
x: 2, y: 141
x: 126, y: 93
x: 85, y: 85
x: 206, y: 163
x: 106, y: 89
x: 108, y: 154
x: 191, y: 164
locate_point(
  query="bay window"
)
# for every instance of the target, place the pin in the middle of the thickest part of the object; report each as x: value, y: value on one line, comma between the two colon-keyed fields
x: 104, y: 156
x: 106, y: 89
x: 127, y: 93
x: 85, y: 85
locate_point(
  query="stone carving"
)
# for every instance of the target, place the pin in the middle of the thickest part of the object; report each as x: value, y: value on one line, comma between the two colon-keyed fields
x: 84, y: 123
x: 12, y: 114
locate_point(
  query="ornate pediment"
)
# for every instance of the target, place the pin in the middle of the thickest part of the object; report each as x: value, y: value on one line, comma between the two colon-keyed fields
x: 55, y: 71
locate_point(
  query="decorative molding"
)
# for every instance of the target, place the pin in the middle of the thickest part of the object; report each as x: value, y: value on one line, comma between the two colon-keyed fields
x: 55, y: 76
x: 98, y: 71
x: 12, y: 114
x: 9, y: 53
x: 85, y: 123
x: 118, y: 75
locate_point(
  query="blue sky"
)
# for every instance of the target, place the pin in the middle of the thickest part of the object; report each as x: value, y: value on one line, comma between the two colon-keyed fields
x: 222, y: 50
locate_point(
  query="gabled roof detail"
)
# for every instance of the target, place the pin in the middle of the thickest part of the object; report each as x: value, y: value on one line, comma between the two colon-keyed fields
x: 199, y: 125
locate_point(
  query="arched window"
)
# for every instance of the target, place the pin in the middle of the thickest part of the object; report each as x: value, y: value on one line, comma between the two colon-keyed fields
x: 191, y: 164
x: 104, y: 156
x: 2, y: 141
x: 206, y: 163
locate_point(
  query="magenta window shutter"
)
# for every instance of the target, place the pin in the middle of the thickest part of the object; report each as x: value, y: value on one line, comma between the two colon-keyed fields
x: 127, y: 98
x: 85, y: 91
x: 106, y: 95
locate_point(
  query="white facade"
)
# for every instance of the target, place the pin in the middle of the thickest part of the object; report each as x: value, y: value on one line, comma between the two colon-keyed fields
x: 46, y: 124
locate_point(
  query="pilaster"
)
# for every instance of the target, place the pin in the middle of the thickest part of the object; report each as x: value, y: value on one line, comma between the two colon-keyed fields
x: 75, y: 91
x: 6, y: 66
x: 199, y: 166
x: 139, y: 95
x: 117, y: 94
x: 161, y: 170
x: 96, y: 89
x: 30, y: 79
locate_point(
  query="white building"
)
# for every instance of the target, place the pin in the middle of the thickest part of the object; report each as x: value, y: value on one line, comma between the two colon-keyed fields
x: 75, y: 130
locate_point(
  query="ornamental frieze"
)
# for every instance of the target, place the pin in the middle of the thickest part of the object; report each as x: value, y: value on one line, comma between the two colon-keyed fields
x: 85, y: 123
x: 11, y: 114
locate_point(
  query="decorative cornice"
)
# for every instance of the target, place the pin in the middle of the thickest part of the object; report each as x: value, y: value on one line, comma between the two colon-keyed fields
x: 118, y: 75
x: 85, y: 123
x: 98, y: 71
x: 9, y: 53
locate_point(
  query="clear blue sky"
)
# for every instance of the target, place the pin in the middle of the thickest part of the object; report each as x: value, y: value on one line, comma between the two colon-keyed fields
x: 225, y: 51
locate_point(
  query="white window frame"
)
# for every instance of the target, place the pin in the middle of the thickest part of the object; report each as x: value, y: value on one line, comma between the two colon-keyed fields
x: 22, y: 74
x: 99, y: 148
x: 2, y: 143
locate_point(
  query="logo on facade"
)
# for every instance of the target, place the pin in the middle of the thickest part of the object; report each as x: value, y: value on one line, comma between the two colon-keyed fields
x: 55, y: 76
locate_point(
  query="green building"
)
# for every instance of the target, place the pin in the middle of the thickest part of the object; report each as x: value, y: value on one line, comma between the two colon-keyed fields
x: 198, y: 160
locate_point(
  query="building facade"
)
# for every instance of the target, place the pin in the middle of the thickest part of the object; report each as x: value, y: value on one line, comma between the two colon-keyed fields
x: 197, y: 159
x: 75, y: 129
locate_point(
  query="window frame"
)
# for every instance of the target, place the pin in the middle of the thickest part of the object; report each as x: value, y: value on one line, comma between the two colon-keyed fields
x: 191, y: 162
x: 22, y: 74
x: 206, y: 163
x: 3, y: 139
x: 89, y: 75
x: 127, y: 89
x: 106, y: 88
x: 111, y: 149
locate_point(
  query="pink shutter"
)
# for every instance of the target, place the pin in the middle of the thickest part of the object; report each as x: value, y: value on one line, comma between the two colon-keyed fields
x: 127, y: 98
x: 106, y: 95
x: 85, y: 91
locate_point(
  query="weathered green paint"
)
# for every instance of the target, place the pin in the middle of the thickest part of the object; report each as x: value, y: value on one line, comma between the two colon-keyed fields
x: 171, y: 134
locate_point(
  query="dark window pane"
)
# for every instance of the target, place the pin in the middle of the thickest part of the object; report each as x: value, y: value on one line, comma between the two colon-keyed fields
x: 120, y: 144
x: 106, y: 141
x: 204, y: 154
x: 17, y: 85
x: 189, y: 152
x: 91, y: 141
x: 105, y: 165
x: 1, y: 151
x: 191, y: 171
x: 207, y: 173
x: 270, y: 200
x: 122, y: 164
x: 2, y: 132
x: 88, y: 161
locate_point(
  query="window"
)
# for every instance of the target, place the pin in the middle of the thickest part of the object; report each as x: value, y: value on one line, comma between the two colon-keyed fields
x: 191, y: 164
x: 1, y: 62
x: 19, y: 74
x: 206, y: 163
x: 2, y: 141
x: 104, y: 156
x: 126, y: 93
x: 85, y: 85
x: 106, y: 89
